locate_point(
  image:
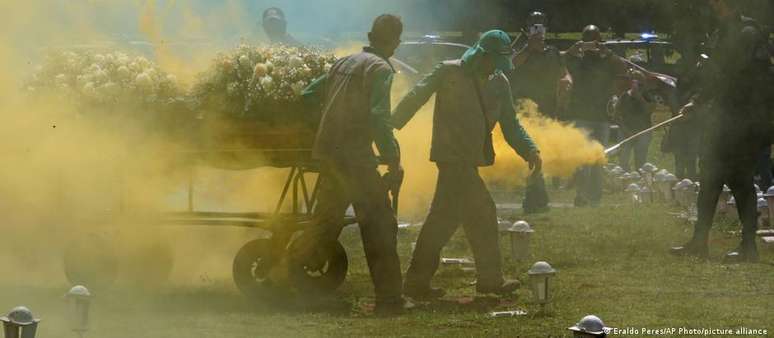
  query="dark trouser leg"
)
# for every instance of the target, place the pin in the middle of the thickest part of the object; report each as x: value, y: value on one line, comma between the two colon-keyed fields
x: 589, y: 178
x: 332, y: 203
x: 360, y: 185
x: 480, y: 225
x: 764, y: 168
x: 712, y: 179
x: 680, y: 166
x: 440, y: 225
x: 379, y: 230
x: 740, y: 180
x: 641, y: 146
x: 625, y: 158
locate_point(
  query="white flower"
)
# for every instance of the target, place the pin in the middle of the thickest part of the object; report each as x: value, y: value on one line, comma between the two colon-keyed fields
x: 244, y: 60
x: 260, y: 70
x: 110, y: 89
x: 267, y: 82
x: 231, y: 88
x: 89, y: 90
x: 143, y: 80
x: 124, y: 73
x: 295, y: 61
x: 100, y: 76
x: 172, y: 79
x: 298, y: 87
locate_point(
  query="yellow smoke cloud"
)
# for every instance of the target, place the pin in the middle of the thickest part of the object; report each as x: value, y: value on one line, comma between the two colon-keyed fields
x: 563, y: 148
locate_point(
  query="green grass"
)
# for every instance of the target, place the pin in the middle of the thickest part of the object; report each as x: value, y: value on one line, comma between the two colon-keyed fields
x: 612, y: 262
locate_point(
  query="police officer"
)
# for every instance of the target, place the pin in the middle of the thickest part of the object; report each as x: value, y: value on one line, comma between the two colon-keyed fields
x: 594, y: 69
x: 355, y: 112
x: 540, y: 73
x: 472, y: 95
x: 736, y: 129
x: 541, y: 76
x: 275, y: 26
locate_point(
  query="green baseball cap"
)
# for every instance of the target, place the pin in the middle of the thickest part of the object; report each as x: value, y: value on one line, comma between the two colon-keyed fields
x: 497, y: 43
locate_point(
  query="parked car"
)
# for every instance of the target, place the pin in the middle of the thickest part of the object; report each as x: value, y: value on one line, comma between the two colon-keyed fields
x: 418, y: 57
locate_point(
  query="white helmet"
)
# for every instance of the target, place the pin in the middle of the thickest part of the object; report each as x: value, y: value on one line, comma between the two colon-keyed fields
x: 633, y: 188
x: 521, y: 226
x: 762, y: 204
x: 20, y: 316
x: 617, y: 171
x: 769, y: 192
x: 683, y: 185
x: 648, y: 167
x: 78, y: 291
x: 590, y: 324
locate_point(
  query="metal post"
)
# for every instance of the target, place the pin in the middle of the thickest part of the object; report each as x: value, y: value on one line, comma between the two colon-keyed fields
x: 285, y: 190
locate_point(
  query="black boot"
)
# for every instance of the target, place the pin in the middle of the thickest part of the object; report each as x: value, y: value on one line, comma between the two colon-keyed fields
x: 393, y: 307
x: 424, y: 293
x: 744, y: 253
x: 694, y: 248
x: 505, y: 288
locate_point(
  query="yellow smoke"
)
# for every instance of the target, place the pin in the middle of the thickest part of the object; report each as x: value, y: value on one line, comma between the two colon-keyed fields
x: 66, y: 175
x: 563, y: 148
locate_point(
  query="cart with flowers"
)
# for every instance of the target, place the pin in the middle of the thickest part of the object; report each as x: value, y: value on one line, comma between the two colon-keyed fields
x: 245, y: 112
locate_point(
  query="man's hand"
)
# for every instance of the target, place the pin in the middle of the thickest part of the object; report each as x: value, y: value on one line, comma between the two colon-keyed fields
x: 535, y: 161
x: 575, y: 49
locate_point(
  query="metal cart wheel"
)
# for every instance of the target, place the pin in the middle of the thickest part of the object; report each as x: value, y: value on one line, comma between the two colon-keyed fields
x: 91, y: 261
x: 251, y: 270
x: 328, y: 273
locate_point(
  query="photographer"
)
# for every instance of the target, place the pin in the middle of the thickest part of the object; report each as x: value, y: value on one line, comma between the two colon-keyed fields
x: 593, y: 68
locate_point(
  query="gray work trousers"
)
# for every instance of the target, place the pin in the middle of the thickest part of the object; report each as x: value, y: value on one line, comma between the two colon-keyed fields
x: 461, y: 198
x: 361, y: 186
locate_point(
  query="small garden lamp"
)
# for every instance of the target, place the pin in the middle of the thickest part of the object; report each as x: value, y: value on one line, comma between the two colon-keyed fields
x: 79, y: 303
x: 540, y: 276
x: 20, y: 323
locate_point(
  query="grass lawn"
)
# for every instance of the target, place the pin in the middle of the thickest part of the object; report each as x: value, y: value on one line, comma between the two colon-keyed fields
x: 612, y: 262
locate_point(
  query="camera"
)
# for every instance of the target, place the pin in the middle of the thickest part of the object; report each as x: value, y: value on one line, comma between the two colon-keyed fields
x: 537, y: 29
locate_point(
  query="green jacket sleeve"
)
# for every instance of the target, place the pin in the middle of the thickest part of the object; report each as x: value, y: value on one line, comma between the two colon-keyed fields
x: 416, y: 98
x: 514, y: 133
x: 380, y: 115
x: 312, y: 95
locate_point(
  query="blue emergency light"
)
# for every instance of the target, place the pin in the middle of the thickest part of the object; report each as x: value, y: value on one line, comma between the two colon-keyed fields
x: 649, y: 36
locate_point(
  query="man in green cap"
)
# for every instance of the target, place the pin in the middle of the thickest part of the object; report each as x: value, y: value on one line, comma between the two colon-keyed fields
x: 472, y: 95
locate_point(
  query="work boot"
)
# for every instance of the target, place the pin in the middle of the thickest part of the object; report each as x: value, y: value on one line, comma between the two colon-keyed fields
x: 425, y: 293
x: 389, y: 308
x: 506, y: 288
x: 744, y: 253
x: 693, y: 248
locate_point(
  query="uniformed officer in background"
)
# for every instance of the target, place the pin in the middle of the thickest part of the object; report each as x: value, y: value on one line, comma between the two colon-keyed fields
x: 594, y: 70
x: 539, y: 75
x: 276, y: 27
x: 737, y: 126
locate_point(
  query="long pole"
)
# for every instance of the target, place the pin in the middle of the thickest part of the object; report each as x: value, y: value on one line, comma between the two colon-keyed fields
x: 616, y: 147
